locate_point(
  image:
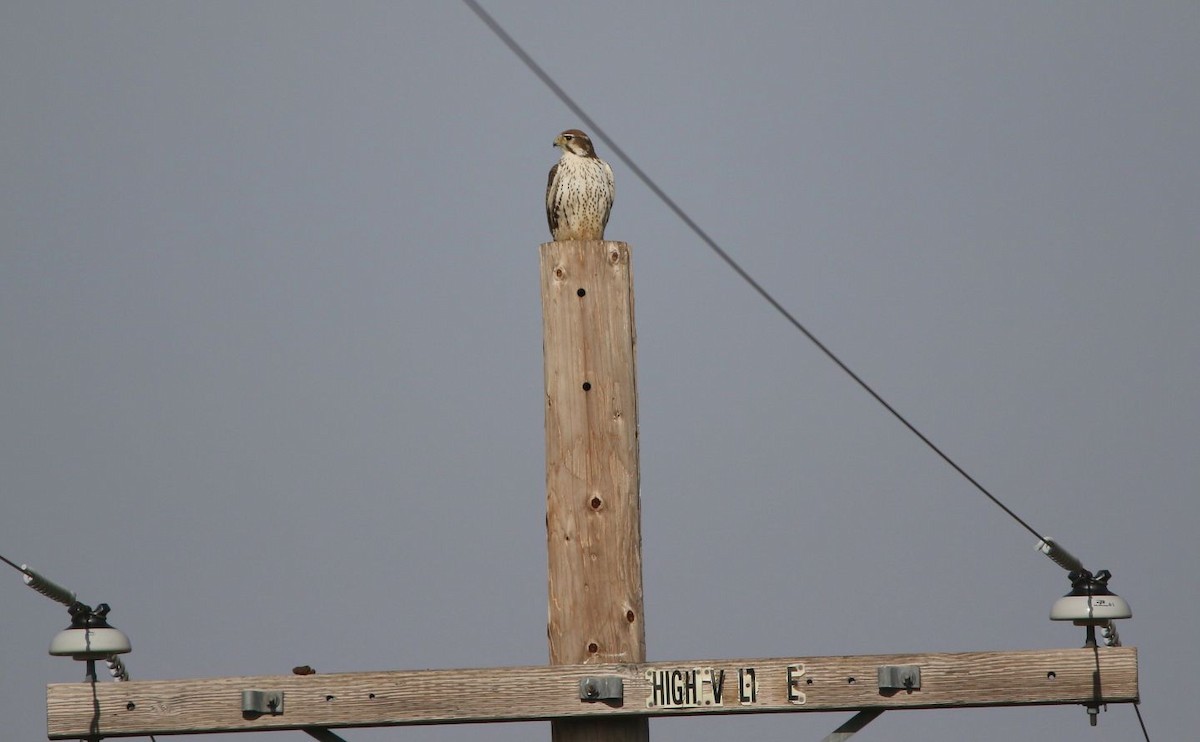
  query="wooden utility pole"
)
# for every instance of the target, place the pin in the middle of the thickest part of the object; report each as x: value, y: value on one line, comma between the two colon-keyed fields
x: 593, y: 510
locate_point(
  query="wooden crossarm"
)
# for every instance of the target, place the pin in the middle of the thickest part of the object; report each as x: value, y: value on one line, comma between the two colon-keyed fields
x: 745, y: 686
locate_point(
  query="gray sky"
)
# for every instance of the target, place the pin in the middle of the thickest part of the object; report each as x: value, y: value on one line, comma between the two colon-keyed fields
x: 270, y: 340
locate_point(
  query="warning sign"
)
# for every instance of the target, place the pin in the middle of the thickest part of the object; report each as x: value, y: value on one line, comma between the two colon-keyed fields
x: 692, y: 687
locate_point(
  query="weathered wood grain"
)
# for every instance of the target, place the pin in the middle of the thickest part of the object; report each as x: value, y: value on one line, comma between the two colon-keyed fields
x: 1056, y: 676
x: 593, y: 511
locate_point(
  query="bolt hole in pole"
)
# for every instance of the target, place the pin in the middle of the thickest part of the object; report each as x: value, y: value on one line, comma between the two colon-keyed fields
x: 1051, y: 675
x: 581, y: 292
x: 587, y: 386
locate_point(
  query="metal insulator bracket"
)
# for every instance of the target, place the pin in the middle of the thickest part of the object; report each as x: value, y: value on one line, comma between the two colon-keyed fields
x: 900, y: 677
x: 262, y: 702
x: 603, y: 688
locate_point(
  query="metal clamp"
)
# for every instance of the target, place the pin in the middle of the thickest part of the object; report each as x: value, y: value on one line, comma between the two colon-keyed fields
x: 262, y: 702
x: 604, y: 688
x: 899, y: 677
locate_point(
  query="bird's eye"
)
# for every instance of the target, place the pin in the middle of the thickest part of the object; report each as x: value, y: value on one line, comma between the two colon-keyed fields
x: 568, y: 136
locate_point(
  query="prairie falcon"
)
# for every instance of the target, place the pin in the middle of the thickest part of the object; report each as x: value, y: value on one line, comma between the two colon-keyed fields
x: 579, y: 194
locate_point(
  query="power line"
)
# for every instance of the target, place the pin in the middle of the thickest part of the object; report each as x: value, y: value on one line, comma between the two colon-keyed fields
x: 1047, y: 546
x: 570, y: 103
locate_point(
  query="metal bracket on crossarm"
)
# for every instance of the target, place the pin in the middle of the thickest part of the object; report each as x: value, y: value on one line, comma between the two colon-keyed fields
x: 602, y: 688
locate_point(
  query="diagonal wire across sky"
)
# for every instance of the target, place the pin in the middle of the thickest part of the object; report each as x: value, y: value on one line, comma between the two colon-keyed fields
x: 1050, y: 548
x: 629, y: 162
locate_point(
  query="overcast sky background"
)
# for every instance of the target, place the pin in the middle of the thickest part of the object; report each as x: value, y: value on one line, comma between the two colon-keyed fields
x: 270, y: 335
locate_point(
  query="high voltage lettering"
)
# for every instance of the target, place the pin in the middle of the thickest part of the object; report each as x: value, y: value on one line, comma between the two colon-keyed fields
x: 697, y: 686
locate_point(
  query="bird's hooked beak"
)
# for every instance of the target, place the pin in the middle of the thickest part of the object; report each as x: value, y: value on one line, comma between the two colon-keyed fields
x: 560, y: 142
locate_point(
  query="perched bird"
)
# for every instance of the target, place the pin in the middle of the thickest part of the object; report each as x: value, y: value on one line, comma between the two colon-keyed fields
x: 579, y: 195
